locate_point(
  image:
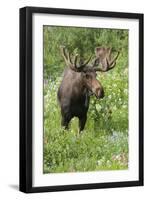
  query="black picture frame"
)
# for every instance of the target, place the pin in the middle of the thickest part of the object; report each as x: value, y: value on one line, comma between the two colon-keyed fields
x: 26, y: 173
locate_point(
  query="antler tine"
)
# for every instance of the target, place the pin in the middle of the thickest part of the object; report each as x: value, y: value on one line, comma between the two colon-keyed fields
x: 72, y: 62
x: 82, y: 66
x: 107, y: 68
x: 95, y: 62
x: 110, y: 65
x: 66, y: 55
x: 109, y: 51
x: 63, y: 53
x: 114, y: 59
x: 75, y: 61
x: 69, y: 58
x: 86, y: 62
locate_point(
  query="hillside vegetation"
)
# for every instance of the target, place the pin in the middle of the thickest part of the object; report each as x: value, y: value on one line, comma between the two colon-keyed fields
x: 103, y: 145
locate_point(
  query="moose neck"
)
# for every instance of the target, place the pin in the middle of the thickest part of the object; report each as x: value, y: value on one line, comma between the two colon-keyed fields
x: 80, y: 85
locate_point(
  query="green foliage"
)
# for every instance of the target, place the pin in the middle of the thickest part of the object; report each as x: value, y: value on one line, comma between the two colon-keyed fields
x: 103, y: 145
x: 83, y: 40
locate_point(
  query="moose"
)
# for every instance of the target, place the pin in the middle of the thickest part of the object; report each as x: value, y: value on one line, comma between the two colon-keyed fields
x: 79, y: 83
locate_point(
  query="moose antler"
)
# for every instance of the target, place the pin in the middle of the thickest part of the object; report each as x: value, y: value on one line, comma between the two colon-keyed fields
x: 72, y: 62
x: 111, y: 62
x: 65, y: 55
x: 103, y: 55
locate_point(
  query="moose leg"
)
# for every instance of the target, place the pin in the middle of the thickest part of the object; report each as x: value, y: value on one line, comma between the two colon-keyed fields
x: 65, y: 121
x: 82, y: 122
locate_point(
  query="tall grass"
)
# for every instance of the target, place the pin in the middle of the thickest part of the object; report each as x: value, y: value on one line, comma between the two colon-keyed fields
x: 103, y: 145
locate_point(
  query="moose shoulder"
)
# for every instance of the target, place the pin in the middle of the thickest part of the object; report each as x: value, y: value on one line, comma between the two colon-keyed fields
x: 79, y: 82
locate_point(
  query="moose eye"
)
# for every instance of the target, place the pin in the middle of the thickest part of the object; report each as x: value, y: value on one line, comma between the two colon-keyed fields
x: 87, y: 76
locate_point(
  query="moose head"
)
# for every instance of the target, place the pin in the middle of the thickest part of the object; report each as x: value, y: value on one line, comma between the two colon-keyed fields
x: 103, y: 62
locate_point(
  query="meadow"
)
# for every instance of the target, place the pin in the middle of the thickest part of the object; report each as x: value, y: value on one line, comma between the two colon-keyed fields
x: 103, y: 145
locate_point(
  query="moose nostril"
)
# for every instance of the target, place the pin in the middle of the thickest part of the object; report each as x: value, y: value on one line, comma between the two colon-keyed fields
x: 100, y: 92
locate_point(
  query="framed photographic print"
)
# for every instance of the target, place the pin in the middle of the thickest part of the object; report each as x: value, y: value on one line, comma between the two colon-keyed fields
x: 81, y: 99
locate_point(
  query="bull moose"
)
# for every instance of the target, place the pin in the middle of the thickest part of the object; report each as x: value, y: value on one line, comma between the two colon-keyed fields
x: 79, y: 82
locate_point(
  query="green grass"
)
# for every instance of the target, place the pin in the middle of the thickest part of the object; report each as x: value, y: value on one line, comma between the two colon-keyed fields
x: 103, y: 145
x: 66, y: 152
